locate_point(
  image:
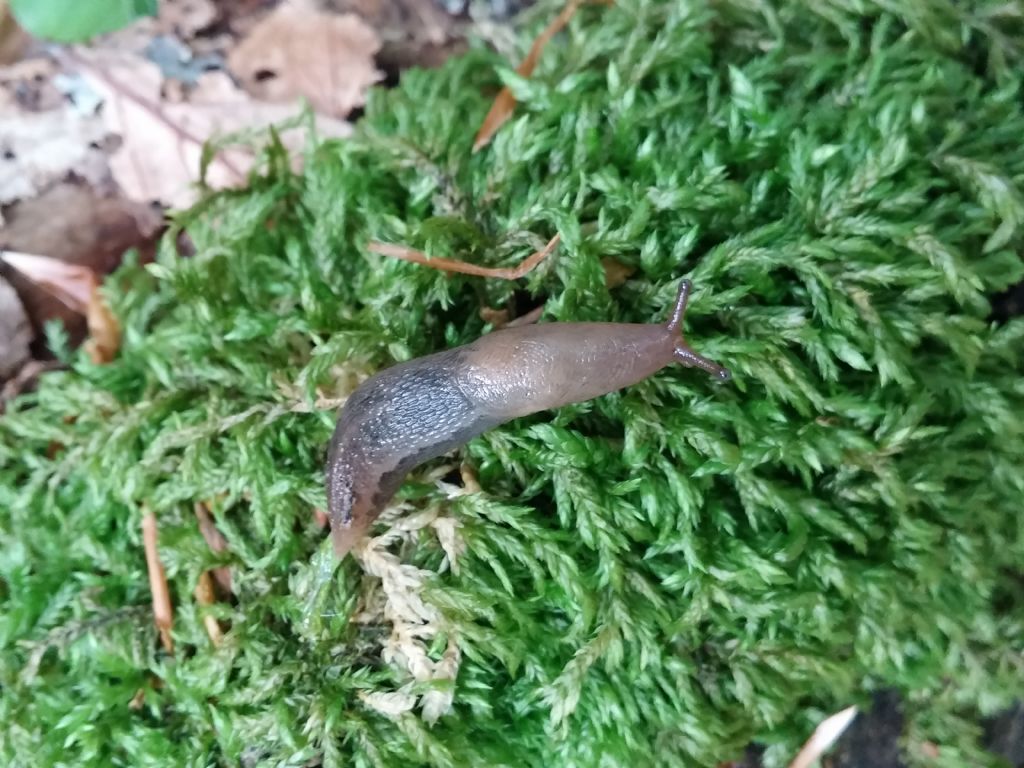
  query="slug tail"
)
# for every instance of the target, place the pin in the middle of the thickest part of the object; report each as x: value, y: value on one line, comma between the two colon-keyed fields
x: 683, y: 353
x: 345, y: 537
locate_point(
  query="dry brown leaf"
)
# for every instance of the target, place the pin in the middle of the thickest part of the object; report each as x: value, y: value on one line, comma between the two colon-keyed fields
x: 40, y: 148
x: 104, y: 329
x: 79, y: 289
x: 163, y: 614
x: 161, y: 142
x: 13, y: 39
x: 496, y: 317
x: 71, y: 283
x: 463, y: 267
x: 615, y: 272
x: 825, y: 735
x: 28, y: 85
x: 15, y: 332
x: 501, y: 109
x: 299, y: 51
x: 184, y: 18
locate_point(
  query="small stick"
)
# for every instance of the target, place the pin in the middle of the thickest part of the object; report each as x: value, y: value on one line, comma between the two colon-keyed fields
x: 463, y: 267
x: 163, y: 615
x: 505, y: 102
x: 217, y: 543
x: 825, y: 735
x: 529, y: 318
x: 204, y: 596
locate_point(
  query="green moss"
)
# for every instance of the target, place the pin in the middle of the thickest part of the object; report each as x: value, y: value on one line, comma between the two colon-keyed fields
x: 654, y: 577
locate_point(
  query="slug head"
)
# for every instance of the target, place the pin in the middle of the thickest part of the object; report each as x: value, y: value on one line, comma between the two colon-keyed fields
x: 682, y: 352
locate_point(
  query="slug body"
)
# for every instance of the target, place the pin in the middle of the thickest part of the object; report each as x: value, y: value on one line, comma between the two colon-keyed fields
x: 419, y: 410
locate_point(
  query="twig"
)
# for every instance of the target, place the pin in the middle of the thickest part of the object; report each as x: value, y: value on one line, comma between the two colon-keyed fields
x: 217, y: 543
x: 505, y: 102
x: 163, y: 615
x: 824, y: 736
x: 528, y: 319
x: 454, y: 265
x: 204, y: 596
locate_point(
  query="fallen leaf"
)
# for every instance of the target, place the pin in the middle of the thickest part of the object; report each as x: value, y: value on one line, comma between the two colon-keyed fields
x: 70, y: 283
x: 496, y: 317
x: 454, y: 265
x: 824, y: 736
x: 38, y: 149
x: 13, y: 39
x: 104, y: 329
x: 163, y: 615
x: 930, y: 750
x: 162, y: 143
x: 78, y: 288
x: 505, y: 102
x: 184, y: 18
x: 27, y: 85
x: 92, y: 230
x: 615, y: 272
x: 299, y: 51
x: 15, y: 332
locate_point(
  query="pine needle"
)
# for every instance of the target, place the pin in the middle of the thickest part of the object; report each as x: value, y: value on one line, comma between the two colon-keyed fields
x: 452, y: 265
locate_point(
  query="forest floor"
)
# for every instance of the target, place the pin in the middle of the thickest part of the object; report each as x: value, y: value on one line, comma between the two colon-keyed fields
x: 97, y: 142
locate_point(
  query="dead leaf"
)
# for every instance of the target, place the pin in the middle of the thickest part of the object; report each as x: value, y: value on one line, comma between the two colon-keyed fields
x: 184, y: 18
x: 78, y: 288
x: 615, y: 272
x: 38, y: 149
x: 13, y: 39
x: 299, y: 51
x: 28, y: 85
x: 496, y: 317
x: 70, y: 283
x: 824, y: 736
x: 161, y: 143
x: 930, y: 750
x: 15, y: 332
x: 92, y: 230
x: 505, y: 102
x: 104, y: 329
x: 463, y: 267
x: 163, y: 614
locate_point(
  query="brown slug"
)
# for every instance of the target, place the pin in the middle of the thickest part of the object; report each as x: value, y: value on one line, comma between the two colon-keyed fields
x: 421, y: 409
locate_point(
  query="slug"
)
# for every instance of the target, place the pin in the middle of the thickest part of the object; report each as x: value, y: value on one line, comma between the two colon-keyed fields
x: 421, y: 409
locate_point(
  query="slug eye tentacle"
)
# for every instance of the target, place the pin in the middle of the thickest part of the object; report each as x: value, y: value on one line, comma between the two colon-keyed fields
x: 683, y: 353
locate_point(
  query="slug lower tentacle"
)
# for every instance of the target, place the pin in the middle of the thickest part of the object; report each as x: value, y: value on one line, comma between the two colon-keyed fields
x: 421, y: 409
